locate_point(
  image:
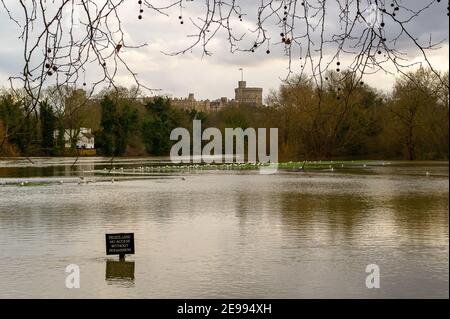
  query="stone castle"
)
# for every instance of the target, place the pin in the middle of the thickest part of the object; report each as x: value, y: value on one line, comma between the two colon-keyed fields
x: 248, y: 96
x: 244, y: 95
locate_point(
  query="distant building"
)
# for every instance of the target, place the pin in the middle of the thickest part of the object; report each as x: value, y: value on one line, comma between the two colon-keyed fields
x: 243, y: 96
x: 82, y: 138
x: 217, y: 105
x: 191, y: 103
x: 86, y: 139
x: 248, y: 96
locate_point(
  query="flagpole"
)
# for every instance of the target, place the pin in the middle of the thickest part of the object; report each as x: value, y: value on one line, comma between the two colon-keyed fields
x: 242, y: 74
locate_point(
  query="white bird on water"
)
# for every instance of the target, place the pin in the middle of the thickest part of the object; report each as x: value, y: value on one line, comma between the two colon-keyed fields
x: 112, y: 181
x: 428, y: 173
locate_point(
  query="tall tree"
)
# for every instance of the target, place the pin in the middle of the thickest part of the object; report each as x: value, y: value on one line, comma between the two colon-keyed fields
x: 418, y: 108
x: 48, y: 126
x: 160, y: 120
x: 117, y: 124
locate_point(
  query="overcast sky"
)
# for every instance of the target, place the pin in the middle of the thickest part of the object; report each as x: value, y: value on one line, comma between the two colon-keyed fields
x: 217, y: 75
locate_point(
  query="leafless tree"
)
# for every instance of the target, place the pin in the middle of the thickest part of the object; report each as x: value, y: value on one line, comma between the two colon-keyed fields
x: 64, y: 41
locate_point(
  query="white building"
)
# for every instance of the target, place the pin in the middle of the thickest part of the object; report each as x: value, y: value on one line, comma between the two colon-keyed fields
x: 83, y: 137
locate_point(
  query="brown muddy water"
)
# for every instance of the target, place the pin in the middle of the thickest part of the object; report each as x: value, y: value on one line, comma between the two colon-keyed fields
x: 224, y: 234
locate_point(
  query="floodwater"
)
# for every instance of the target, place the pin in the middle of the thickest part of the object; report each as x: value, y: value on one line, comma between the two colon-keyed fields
x: 224, y: 234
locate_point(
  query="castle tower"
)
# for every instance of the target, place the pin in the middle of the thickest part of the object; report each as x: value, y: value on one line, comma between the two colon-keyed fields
x: 248, y: 96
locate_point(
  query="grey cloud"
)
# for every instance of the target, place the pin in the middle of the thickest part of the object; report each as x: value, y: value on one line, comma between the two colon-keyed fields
x: 216, y: 75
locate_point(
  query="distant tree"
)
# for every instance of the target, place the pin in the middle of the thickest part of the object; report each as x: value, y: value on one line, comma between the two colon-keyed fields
x: 105, y: 137
x: 116, y: 125
x: 7, y: 149
x: 160, y: 120
x: 16, y: 118
x: 334, y: 120
x: 127, y: 123
x: 65, y: 42
x: 197, y: 115
x: 60, y: 143
x: 236, y: 117
x: 419, y: 106
x: 48, y: 123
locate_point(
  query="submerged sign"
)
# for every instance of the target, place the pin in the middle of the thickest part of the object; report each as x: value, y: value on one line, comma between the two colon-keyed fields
x: 119, y: 244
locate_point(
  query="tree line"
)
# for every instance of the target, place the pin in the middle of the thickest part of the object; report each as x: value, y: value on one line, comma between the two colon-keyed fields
x: 339, y: 118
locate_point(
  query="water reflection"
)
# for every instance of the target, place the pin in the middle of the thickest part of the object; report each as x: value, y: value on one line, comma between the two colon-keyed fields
x: 68, y: 167
x: 120, y: 273
x: 227, y: 235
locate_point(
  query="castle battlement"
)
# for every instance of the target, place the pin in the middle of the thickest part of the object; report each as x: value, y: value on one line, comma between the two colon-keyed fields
x: 244, y: 95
